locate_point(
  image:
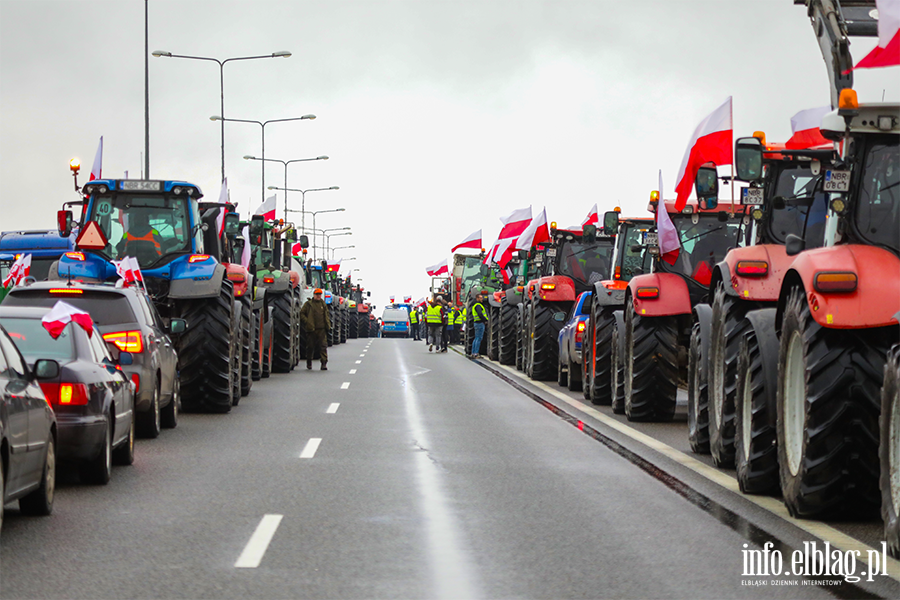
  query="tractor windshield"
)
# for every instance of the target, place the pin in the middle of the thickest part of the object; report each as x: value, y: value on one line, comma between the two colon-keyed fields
x: 797, y: 207
x: 586, y: 264
x: 703, y: 244
x: 878, y: 205
x: 632, y: 258
x: 315, y: 278
x: 145, y: 227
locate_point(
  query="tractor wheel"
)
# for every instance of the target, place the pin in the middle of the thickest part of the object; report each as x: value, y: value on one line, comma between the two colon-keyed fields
x: 617, y: 364
x: 829, y: 382
x: 354, y: 325
x: 728, y: 325
x: 267, y: 350
x: 257, y: 337
x: 698, y: 395
x: 247, y: 336
x: 600, y: 340
x: 281, y: 334
x: 373, y: 328
x: 507, y: 338
x: 494, y: 340
x: 651, y: 367
x: 238, y: 339
x: 520, y: 344
x: 206, y: 352
x: 545, y: 342
x: 889, y: 452
x: 343, y: 319
x: 364, y: 325
x: 330, y: 336
x: 756, y: 452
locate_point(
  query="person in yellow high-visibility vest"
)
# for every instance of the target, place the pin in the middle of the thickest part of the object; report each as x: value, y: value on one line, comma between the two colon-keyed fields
x: 434, y: 317
x: 414, y: 323
x: 459, y: 321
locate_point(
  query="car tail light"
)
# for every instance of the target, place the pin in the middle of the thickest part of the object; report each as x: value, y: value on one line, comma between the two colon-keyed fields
x: 580, y: 326
x: 136, y: 380
x: 548, y: 286
x: 752, y: 268
x: 835, y: 282
x: 66, y: 291
x: 126, y: 341
x: 648, y: 292
x: 75, y: 256
x: 198, y: 258
x: 65, y: 394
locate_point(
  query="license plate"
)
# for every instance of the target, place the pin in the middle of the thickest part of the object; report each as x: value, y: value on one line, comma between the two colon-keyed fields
x: 837, y: 181
x: 650, y: 238
x: 752, y: 196
x: 141, y: 186
x: 551, y: 251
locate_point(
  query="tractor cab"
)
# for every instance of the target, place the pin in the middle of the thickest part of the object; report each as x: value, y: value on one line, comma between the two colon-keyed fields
x: 583, y: 256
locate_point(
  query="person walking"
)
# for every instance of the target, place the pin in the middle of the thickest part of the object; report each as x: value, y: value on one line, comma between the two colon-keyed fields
x: 314, y: 316
x: 414, y: 323
x: 479, y: 318
x: 434, y: 318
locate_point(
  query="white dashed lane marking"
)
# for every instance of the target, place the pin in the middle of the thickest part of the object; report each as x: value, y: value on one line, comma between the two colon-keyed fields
x: 256, y: 548
x: 345, y: 385
x: 310, y: 449
x: 332, y: 408
x: 353, y: 371
x: 359, y: 362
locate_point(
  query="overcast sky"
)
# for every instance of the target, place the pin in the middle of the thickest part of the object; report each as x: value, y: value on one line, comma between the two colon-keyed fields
x: 438, y: 116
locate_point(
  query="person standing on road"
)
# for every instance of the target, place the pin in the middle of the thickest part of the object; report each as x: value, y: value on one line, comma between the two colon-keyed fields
x: 414, y: 323
x: 459, y: 321
x: 451, y: 318
x: 445, y: 324
x: 434, y: 319
x: 314, y: 316
x: 479, y: 318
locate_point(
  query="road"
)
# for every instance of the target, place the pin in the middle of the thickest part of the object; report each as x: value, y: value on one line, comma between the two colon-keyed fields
x: 400, y: 474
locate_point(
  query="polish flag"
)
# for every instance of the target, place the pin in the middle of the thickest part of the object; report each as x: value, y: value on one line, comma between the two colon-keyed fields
x: 392, y: 299
x: 438, y: 269
x: 223, y: 198
x: 805, y: 129
x: 97, y: 168
x: 472, y: 241
x: 245, y: 253
x: 407, y: 299
x: 333, y: 267
x: 18, y: 271
x: 504, y: 252
x: 490, y: 255
x: 61, y: 315
x: 669, y: 244
x: 592, y: 217
x: 267, y: 209
x: 711, y: 142
x: 887, y: 52
x: 129, y: 270
x: 536, y: 233
x: 513, y: 225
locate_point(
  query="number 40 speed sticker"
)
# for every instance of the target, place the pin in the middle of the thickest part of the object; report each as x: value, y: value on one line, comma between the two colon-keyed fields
x: 837, y: 181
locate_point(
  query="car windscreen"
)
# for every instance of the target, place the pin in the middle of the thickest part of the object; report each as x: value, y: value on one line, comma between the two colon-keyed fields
x: 34, y: 341
x: 394, y: 314
x: 105, y: 308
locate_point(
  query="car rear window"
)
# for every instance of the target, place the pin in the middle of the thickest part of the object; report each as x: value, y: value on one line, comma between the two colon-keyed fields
x: 105, y: 308
x: 34, y: 342
x: 394, y: 314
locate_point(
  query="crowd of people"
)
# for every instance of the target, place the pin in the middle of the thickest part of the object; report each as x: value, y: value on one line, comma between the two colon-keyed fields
x: 440, y: 324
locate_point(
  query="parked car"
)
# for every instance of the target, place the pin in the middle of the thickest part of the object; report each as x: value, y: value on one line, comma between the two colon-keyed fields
x: 28, y: 432
x: 128, y: 319
x: 92, y: 397
x: 570, y: 338
x: 395, y: 322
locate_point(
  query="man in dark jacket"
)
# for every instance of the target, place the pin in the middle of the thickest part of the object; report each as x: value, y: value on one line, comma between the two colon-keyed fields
x: 314, y: 316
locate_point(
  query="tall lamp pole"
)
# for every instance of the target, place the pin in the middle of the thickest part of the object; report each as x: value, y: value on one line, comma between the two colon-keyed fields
x: 221, y: 63
x: 314, y: 230
x: 303, y: 210
x: 285, y: 163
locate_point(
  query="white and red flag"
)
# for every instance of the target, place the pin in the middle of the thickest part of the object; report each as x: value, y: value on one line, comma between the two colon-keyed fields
x: 223, y: 198
x: 97, y: 167
x: 669, y: 244
x: 513, y: 225
x: 711, y: 142
x: 473, y: 240
x: 267, y: 209
x: 334, y: 266
x: 245, y: 253
x: 407, y: 299
x: 61, y: 315
x: 392, y: 299
x: 129, y: 270
x: 887, y: 52
x: 438, y: 269
x: 536, y: 233
x: 805, y: 129
x: 592, y: 217
x: 18, y: 271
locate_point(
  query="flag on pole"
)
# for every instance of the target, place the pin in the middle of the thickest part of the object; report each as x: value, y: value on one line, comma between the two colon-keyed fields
x: 513, y: 225
x: 129, y: 270
x: 245, y: 253
x: 473, y: 240
x: 669, y: 244
x: 711, y: 142
x: 592, y: 217
x: 536, y: 233
x: 805, y: 128
x: 267, y: 209
x: 333, y: 266
x: 18, y: 271
x: 438, y: 269
x: 61, y: 315
x: 392, y: 299
x: 223, y: 198
x: 407, y: 299
x: 97, y: 168
x: 887, y: 52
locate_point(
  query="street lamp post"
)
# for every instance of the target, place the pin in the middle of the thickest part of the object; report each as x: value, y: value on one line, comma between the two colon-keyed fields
x: 285, y: 163
x: 221, y: 63
x: 303, y: 212
x: 329, y: 236
x: 314, y: 213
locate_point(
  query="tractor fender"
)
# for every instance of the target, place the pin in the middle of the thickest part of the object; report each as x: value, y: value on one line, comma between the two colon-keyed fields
x: 278, y: 285
x: 673, y: 296
x: 494, y: 299
x: 610, y: 292
x: 756, y: 288
x: 92, y: 269
x: 703, y: 316
x: 563, y: 289
x: 874, y: 303
x: 295, y: 278
x: 239, y: 276
x: 763, y: 323
x: 513, y: 297
x: 259, y: 299
x: 193, y: 281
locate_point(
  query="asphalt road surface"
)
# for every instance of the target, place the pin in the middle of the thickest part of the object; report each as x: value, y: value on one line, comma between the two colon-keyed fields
x: 398, y: 473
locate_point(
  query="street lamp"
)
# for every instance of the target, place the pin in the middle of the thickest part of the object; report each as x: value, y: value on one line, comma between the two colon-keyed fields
x: 328, y: 237
x: 285, y: 163
x: 262, y: 125
x: 314, y: 213
x: 303, y: 212
x: 342, y: 248
x: 221, y: 63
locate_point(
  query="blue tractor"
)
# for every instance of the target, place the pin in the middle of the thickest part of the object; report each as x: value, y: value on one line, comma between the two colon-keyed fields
x: 45, y: 248
x: 159, y: 223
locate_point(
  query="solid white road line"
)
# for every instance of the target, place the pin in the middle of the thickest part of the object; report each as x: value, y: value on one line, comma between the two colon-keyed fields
x: 345, y: 385
x: 332, y: 408
x: 353, y: 371
x: 310, y: 449
x: 359, y: 362
x: 259, y: 542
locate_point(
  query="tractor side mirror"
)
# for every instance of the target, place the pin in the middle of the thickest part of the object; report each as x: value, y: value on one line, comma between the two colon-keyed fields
x: 610, y: 223
x: 257, y: 226
x: 589, y: 233
x: 748, y: 159
x: 232, y: 224
x: 266, y: 255
x: 177, y: 326
x: 368, y: 294
x: 304, y: 241
x: 64, y: 222
x: 707, y: 186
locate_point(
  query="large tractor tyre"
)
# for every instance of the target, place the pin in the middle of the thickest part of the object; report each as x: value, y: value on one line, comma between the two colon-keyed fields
x: 889, y: 452
x: 600, y: 340
x: 281, y: 334
x: 698, y: 395
x: 257, y: 346
x: 343, y: 319
x: 353, y: 332
x: 585, y: 386
x: 520, y: 341
x: 756, y: 451
x: 506, y: 352
x: 728, y: 325
x: 651, y: 366
x: 237, y: 333
x: 617, y: 364
x: 828, y: 402
x: 364, y: 325
x: 267, y: 352
x: 247, y: 339
x: 206, y: 352
x: 331, y: 336
x: 373, y: 328
x: 545, y: 343
x: 494, y: 334
x: 298, y: 330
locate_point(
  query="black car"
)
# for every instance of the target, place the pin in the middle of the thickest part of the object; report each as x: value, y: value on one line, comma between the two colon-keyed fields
x: 92, y: 397
x: 128, y: 319
x: 27, y: 433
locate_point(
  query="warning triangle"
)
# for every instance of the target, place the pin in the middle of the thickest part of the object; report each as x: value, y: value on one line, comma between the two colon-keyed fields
x: 91, y: 237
